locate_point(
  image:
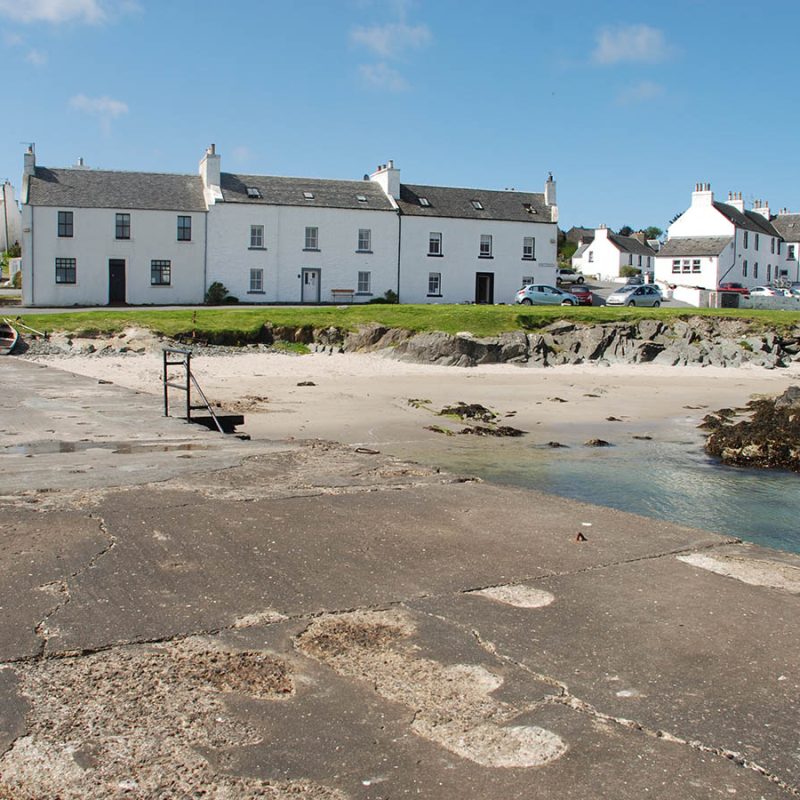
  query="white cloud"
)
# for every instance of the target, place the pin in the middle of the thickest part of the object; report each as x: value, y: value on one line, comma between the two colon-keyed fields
x: 92, y: 12
x: 630, y: 43
x: 391, y: 39
x: 106, y: 109
x: 12, y: 39
x: 382, y: 76
x: 36, y: 57
x: 642, y: 92
x: 241, y: 153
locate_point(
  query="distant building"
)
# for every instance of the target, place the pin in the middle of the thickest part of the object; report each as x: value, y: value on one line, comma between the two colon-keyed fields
x: 714, y: 242
x: 580, y: 236
x: 607, y: 253
x: 100, y: 237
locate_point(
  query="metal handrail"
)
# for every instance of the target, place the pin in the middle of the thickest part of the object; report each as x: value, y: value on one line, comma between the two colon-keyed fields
x: 186, y: 386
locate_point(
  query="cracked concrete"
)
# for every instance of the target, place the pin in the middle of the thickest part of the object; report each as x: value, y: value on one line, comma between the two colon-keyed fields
x: 305, y: 620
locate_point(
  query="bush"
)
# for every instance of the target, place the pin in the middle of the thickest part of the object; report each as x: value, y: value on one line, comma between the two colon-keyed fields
x: 216, y: 295
x: 16, y: 281
x: 15, y: 251
x: 629, y: 272
x: 389, y: 297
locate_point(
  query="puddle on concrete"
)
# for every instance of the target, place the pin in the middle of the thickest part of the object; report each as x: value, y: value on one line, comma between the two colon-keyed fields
x: 119, y: 448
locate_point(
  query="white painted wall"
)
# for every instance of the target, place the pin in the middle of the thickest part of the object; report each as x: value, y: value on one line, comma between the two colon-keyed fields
x: 707, y: 277
x: 153, y: 236
x: 230, y: 257
x: 460, y: 259
x: 701, y: 218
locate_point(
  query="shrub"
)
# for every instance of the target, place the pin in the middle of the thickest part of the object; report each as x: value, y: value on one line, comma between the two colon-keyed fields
x: 629, y: 272
x: 389, y: 296
x: 216, y: 294
x: 16, y: 281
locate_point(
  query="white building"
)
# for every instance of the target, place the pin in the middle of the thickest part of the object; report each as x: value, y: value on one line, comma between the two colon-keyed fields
x: 714, y: 242
x: 608, y: 253
x: 10, y: 218
x: 96, y: 237
x: 788, y: 226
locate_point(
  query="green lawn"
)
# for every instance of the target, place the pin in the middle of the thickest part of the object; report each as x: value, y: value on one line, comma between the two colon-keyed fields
x: 244, y: 323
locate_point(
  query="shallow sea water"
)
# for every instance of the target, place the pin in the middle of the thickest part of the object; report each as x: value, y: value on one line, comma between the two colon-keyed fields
x: 668, y: 478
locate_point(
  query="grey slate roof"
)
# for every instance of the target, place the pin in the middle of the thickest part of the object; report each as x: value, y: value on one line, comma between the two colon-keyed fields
x: 90, y: 188
x: 575, y: 234
x: 289, y: 192
x: 630, y: 245
x: 788, y: 226
x: 695, y: 246
x: 749, y: 220
x: 581, y: 250
x: 457, y: 203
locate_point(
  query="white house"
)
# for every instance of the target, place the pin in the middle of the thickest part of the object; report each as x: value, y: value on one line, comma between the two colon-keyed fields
x: 10, y: 218
x: 714, y: 242
x: 788, y: 226
x: 608, y: 253
x: 94, y: 237
x: 472, y: 245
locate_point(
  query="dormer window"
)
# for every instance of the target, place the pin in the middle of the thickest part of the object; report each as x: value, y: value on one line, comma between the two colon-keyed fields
x: 529, y: 208
x: 477, y: 205
x: 424, y: 202
x: 308, y: 195
x: 253, y: 193
x: 362, y: 198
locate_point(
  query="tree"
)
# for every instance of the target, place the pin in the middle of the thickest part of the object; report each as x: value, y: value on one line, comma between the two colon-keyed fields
x: 625, y: 230
x: 653, y: 232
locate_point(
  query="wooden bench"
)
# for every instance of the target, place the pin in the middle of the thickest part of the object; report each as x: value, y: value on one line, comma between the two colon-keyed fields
x: 342, y: 294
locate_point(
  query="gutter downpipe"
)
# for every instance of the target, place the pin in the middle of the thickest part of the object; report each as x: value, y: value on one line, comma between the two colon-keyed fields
x: 735, y: 243
x: 33, y: 281
x: 399, y: 245
x: 205, y: 256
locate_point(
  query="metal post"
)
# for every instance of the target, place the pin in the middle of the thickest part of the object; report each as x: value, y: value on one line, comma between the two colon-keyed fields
x: 166, y: 388
x: 187, y: 362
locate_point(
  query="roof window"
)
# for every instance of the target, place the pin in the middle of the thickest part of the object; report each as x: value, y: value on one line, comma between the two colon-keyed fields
x: 308, y: 195
x: 477, y: 205
x: 424, y: 202
x: 362, y: 198
x: 529, y: 208
x: 253, y: 192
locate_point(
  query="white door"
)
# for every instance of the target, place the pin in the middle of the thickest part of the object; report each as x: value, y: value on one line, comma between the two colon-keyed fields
x: 310, y: 288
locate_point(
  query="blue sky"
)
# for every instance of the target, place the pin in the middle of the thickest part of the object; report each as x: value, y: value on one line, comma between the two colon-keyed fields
x: 629, y: 104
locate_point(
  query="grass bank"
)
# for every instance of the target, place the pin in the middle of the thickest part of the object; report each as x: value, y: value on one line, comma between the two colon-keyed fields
x: 245, y: 323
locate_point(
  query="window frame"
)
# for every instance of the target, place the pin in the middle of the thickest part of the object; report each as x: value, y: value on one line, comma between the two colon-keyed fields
x: 160, y: 272
x: 256, y: 236
x: 184, y: 228
x: 434, y: 284
x: 122, y: 226
x: 485, y: 246
x: 364, y: 282
x: 435, y: 244
x: 63, y: 267
x: 66, y: 225
x: 364, y: 244
x: 676, y: 266
x: 532, y: 240
x: 256, y: 283
x: 311, y: 238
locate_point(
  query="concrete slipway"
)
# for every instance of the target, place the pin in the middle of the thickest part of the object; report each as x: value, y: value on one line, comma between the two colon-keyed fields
x: 183, y: 612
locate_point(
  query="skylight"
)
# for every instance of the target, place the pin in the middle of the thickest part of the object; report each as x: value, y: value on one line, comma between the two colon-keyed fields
x: 308, y: 195
x: 529, y: 208
x: 253, y: 192
x: 477, y: 205
x: 362, y: 198
x: 424, y: 202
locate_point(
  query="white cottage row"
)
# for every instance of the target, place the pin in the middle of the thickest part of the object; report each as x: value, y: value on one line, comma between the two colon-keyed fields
x: 95, y: 237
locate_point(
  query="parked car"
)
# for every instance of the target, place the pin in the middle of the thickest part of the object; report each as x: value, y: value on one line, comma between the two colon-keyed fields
x: 584, y: 295
x: 763, y: 291
x: 541, y: 295
x: 635, y: 296
x: 734, y: 287
x: 564, y: 275
x: 634, y: 280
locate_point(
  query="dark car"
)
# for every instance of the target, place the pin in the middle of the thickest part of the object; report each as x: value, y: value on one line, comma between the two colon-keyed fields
x: 584, y: 295
x: 733, y: 287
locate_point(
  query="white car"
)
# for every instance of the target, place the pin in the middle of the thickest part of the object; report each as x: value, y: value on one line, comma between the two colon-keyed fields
x: 633, y: 295
x: 763, y: 291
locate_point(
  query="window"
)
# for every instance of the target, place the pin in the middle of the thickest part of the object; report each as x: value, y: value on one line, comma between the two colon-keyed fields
x: 769, y: 272
x: 648, y: 262
x: 308, y: 195
x: 744, y: 269
x: 528, y: 248
x: 779, y: 246
x: 364, y: 283
x: 66, y: 270
x: 477, y: 205
x: 771, y: 245
x: 257, y: 237
x: 591, y: 256
x: 485, y: 246
x: 424, y: 202
x: 527, y: 280
x: 256, y: 281
x: 757, y: 238
x: 253, y: 193
x: 434, y: 284
x: 123, y: 226
x: 65, y: 224
x: 362, y: 198
x: 755, y: 270
x: 630, y: 259
x: 686, y: 266
x: 364, y: 240
x: 312, y: 239
x: 640, y: 262
x: 746, y: 239
x: 160, y: 273
x: 184, y: 229
x: 435, y: 244
x: 676, y: 265
x: 695, y: 265
x: 790, y: 252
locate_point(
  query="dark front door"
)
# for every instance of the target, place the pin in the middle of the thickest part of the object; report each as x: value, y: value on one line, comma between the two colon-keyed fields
x: 116, y: 281
x: 484, y: 287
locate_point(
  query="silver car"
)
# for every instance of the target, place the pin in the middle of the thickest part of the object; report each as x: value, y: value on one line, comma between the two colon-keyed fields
x: 542, y: 295
x: 636, y: 296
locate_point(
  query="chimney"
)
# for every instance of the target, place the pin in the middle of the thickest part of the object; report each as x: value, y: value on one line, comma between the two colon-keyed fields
x: 387, y: 176
x: 735, y: 200
x: 702, y: 195
x: 210, y: 167
x: 550, y: 191
x: 30, y: 161
x: 762, y: 208
x: 601, y: 233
